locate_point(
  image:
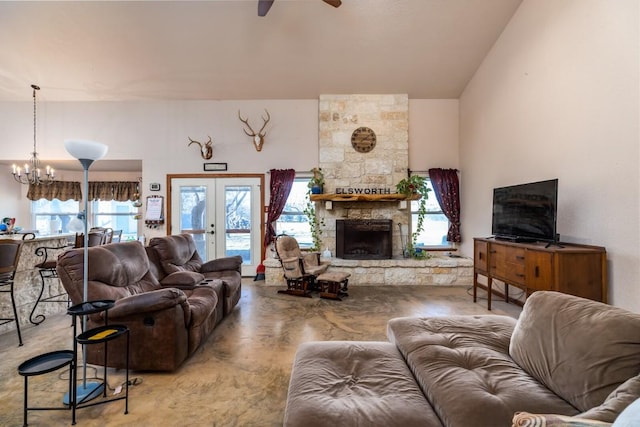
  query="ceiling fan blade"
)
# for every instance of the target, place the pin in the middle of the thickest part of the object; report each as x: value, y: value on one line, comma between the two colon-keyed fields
x: 264, y: 6
x: 334, y: 3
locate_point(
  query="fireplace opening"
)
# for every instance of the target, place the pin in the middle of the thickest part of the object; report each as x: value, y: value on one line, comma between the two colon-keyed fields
x: 364, y: 238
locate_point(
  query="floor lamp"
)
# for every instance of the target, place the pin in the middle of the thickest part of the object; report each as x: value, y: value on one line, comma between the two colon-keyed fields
x: 86, y: 152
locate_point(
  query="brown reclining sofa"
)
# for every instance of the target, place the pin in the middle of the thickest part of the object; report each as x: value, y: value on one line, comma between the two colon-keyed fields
x: 165, y: 294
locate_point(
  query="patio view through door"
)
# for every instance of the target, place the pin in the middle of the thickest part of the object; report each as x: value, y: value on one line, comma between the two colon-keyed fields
x: 222, y: 214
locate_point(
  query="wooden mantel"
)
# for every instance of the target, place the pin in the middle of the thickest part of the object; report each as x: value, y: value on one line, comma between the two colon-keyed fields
x: 332, y: 197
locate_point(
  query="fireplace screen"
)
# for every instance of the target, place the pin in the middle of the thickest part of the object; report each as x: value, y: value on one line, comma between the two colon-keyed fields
x: 364, y: 239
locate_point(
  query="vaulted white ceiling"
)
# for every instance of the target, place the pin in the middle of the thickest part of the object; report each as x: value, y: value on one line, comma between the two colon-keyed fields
x: 210, y: 50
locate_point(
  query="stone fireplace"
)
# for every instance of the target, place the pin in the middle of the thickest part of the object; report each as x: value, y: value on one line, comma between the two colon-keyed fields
x: 374, y: 171
x: 364, y: 239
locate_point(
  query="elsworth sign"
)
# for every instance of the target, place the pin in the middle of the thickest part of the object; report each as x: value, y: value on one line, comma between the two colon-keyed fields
x: 355, y: 190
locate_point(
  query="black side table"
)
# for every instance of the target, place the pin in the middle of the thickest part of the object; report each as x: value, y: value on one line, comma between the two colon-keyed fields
x: 43, y: 364
x: 99, y: 335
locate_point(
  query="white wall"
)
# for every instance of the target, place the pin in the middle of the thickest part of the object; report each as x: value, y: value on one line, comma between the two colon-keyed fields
x: 558, y: 96
x: 433, y: 134
x: 12, y: 199
x: 157, y: 133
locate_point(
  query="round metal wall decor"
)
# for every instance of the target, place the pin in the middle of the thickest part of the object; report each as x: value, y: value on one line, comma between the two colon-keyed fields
x: 363, y: 140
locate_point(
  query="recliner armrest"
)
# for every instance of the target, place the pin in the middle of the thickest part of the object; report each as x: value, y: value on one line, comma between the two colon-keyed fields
x: 182, y: 280
x: 145, y: 302
x: 221, y: 264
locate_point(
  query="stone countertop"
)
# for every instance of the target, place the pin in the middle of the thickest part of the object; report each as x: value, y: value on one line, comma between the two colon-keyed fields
x: 38, y: 237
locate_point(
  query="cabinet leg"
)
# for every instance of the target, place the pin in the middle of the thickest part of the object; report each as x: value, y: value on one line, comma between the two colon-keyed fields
x: 489, y: 292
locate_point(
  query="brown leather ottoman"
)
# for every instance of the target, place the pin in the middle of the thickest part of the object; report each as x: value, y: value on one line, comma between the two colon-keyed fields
x: 352, y: 383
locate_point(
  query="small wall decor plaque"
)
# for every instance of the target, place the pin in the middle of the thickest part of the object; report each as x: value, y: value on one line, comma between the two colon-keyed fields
x: 208, y: 167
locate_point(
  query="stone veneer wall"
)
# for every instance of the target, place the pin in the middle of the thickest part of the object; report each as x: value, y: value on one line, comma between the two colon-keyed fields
x: 440, y: 270
x: 383, y: 167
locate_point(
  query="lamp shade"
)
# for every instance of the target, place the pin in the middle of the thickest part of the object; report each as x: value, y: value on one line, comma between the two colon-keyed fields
x: 85, y: 150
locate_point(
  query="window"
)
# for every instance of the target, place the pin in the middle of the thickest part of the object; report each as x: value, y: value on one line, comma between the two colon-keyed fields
x: 103, y: 213
x: 293, y: 221
x: 44, y: 214
x: 436, y: 223
x: 115, y: 215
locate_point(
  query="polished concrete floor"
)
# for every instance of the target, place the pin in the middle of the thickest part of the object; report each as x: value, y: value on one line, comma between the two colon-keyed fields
x: 239, y: 376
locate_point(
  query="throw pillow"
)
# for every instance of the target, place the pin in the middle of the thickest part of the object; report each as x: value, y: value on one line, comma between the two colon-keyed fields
x: 525, y: 419
x: 630, y: 417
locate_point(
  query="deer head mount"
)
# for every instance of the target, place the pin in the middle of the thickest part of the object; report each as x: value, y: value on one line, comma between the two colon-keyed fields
x: 258, y: 138
x: 206, y: 150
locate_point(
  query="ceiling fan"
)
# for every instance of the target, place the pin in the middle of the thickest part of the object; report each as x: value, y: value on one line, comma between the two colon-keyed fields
x: 265, y: 5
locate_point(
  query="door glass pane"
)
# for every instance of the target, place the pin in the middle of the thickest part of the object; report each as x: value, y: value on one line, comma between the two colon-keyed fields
x: 193, y: 207
x: 238, y: 221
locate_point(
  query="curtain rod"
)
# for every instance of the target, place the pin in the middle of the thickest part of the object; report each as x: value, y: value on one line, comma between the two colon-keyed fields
x: 410, y: 171
x: 309, y: 172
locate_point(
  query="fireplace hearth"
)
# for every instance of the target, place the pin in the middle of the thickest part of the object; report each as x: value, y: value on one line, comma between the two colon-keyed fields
x: 364, y: 239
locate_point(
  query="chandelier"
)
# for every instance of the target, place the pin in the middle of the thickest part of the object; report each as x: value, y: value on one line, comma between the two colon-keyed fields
x: 31, y: 172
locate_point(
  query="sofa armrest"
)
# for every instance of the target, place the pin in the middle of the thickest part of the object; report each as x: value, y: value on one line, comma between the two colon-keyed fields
x: 525, y: 419
x: 146, y: 302
x: 182, y: 280
x: 221, y: 264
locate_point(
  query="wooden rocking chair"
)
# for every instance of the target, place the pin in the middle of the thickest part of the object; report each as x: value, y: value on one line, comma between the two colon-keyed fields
x: 300, y: 270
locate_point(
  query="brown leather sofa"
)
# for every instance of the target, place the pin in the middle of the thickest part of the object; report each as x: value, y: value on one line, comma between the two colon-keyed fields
x: 167, y: 319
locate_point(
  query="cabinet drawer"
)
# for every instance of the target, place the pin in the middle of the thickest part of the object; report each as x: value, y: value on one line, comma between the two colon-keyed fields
x: 480, y: 255
x: 508, y: 263
x: 511, y: 272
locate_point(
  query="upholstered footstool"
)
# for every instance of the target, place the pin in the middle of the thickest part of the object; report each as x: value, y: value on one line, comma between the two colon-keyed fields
x: 352, y: 383
x: 333, y: 285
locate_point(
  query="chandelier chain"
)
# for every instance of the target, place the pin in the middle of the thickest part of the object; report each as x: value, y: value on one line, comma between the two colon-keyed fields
x: 32, y: 175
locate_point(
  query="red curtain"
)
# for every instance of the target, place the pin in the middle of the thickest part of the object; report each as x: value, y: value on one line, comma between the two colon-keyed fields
x: 447, y: 189
x: 281, y: 182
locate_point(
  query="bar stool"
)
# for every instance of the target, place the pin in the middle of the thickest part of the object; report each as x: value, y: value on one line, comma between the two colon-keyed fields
x: 47, y: 270
x: 9, y: 257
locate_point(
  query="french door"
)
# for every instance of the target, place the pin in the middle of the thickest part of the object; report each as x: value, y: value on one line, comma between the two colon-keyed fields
x: 222, y: 213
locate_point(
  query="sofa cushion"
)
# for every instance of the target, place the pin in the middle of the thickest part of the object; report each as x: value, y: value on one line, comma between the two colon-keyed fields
x: 176, y: 253
x: 115, y: 271
x: 350, y: 383
x: 463, y: 367
x: 580, y: 349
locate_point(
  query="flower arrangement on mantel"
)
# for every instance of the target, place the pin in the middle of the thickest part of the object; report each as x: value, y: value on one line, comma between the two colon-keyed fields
x: 412, y: 186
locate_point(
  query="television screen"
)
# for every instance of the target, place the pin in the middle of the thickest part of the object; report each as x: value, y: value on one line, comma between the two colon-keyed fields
x: 526, y: 212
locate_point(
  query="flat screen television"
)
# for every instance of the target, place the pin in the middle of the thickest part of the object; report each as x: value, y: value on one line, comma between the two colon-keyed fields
x: 526, y: 212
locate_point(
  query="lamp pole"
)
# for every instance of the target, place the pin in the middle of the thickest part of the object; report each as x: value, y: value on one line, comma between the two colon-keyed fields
x: 86, y: 152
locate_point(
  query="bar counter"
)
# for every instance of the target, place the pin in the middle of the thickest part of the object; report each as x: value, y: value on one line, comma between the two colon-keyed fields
x: 27, y: 282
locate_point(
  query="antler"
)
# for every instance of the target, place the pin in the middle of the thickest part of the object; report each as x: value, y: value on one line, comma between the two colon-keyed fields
x: 265, y: 123
x: 258, y: 138
x: 206, y: 151
x: 246, y: 122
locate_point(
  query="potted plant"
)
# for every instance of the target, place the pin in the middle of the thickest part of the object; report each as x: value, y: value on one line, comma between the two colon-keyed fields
x: 315, y: 223
x: 316, y: 183
x: 412, y: 187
